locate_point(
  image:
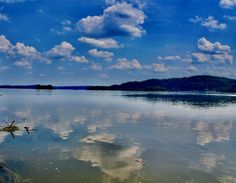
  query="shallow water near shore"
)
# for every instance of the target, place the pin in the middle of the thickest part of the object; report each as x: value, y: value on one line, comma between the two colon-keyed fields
x: 131, y: 137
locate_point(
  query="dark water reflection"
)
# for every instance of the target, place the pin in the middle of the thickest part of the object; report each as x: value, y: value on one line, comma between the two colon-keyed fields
x: 194, y: 99
x: 109, y: 137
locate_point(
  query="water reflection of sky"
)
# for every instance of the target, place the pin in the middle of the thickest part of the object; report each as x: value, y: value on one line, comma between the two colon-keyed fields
x: 123, y: 138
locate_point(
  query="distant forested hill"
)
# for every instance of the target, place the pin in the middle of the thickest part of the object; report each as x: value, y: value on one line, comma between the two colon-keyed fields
x: 194, y: 83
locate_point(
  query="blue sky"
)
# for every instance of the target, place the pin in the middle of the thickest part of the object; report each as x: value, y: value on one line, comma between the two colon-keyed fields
x: 76, y: 42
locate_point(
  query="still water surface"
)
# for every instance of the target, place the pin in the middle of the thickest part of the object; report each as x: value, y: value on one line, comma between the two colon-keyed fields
x: 108, y: 137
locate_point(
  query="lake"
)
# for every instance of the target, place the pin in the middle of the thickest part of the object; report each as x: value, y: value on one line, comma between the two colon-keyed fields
x: 111, y: 137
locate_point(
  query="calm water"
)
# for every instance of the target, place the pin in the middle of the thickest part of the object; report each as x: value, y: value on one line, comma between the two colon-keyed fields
x: 106, y: 137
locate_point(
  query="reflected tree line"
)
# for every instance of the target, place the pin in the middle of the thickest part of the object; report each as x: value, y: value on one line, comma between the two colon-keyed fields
x: 198, y: 100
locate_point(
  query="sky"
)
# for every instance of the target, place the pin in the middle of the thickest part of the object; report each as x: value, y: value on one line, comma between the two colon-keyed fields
x: 102, y: 42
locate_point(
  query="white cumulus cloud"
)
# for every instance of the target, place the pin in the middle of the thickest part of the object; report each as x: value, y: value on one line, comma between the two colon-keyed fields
x: 5, y: 44
x: 62, y: 50
x: 80, y: 59
x: 205, y: 45
x: 211, y: 23
x: 23, y: 50
x: 23, y: 55
x: 101, y: 43
x: 101, y: 54
x: 4, y: 18
x: 227, y: 3
x: 124, y: 64
x: 19, y: 49
x: 118, y: 19
x: 228, y: 17
x: 169, y: 58
x: 23, y: 63
x: 157, y: 67
x: 212, y: 52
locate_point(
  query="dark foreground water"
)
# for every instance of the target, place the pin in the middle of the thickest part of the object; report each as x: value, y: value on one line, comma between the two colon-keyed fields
x: 106, y: 137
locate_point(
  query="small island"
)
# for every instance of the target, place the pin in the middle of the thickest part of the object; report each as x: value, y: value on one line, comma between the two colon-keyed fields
x: 44, y: 87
